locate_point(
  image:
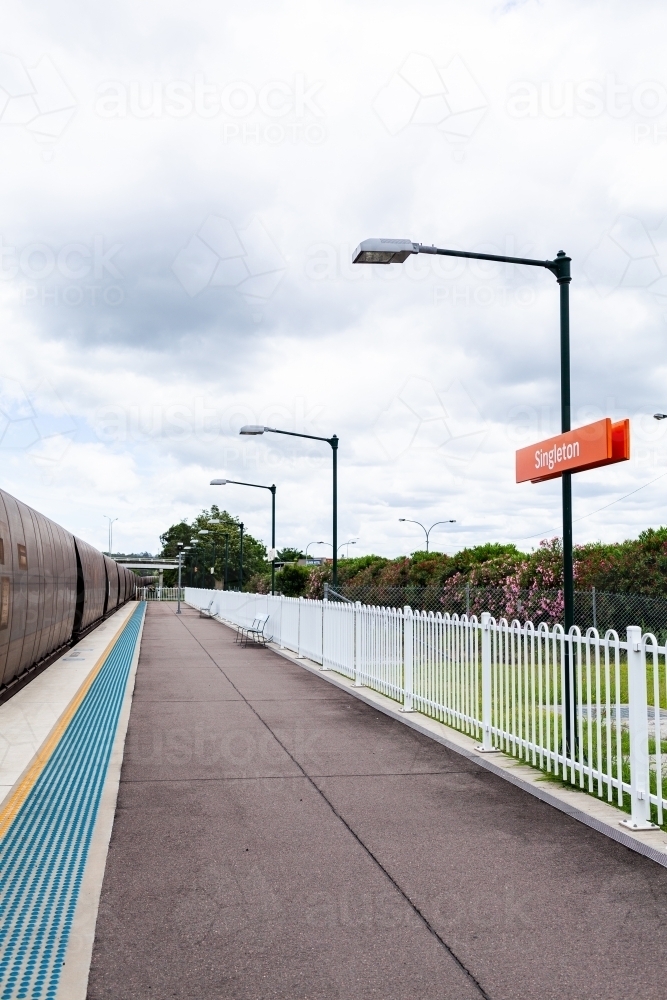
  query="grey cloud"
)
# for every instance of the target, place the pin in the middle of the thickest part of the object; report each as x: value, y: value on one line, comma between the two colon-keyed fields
x: 236, y: 289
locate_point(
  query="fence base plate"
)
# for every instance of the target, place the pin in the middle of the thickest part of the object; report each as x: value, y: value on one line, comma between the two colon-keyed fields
x: 408, y: 711
x: 642, y: 825
x: 482, y: 749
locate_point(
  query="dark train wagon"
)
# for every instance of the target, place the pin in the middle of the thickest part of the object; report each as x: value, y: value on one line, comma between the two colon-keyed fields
x: 53, y: 589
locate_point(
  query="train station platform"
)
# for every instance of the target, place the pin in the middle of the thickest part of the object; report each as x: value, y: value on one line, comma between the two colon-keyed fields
x: 276, y: 837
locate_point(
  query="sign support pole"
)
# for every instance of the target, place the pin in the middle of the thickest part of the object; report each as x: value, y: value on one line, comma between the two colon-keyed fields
x: 564, y: 278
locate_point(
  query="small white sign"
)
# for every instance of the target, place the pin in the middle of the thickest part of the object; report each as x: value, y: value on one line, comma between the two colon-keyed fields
x: 273, y: 554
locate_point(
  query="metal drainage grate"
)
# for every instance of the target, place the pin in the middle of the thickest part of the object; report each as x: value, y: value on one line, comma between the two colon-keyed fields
x: 43, y: 854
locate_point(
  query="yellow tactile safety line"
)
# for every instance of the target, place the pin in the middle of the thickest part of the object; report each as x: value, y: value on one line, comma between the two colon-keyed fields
x: 21, y: 791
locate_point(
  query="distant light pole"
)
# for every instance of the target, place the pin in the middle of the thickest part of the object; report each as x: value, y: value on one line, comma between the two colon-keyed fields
x: 226, y: 537
x: 213, y: 555
x: 351, y: 541
x: 427, y: 533
x: 272, y: 490
x: 313, y: 543
x: 111, y: 521
x: 180, y: 559
x: 205, y: 531
x: 252, y: 429
x: 214, y: 520
x: 186, y: 548
x: 241, y: 559
x: 382, y: 251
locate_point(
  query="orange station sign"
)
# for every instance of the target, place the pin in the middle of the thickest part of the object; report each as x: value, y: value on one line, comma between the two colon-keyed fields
x: 588, y: 447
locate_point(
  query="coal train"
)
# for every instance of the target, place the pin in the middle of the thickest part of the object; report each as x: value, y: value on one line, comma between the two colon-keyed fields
x: 53, y: 589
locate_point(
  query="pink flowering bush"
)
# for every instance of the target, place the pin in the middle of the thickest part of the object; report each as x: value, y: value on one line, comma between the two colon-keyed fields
x: 530, y: 591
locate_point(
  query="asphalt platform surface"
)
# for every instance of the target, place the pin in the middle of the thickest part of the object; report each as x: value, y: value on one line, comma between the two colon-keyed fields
x: 277, y: 838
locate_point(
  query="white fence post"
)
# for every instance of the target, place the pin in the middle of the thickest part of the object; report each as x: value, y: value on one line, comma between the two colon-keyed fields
x: 640, y: 818
x: 326, y: 638
x: 299, y: 654
x: 408, y: 658
x: 486, y: 745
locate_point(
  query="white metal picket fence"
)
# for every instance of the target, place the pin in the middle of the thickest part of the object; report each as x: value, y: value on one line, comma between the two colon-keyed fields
x: 585, y: 708
x: 158, y: 593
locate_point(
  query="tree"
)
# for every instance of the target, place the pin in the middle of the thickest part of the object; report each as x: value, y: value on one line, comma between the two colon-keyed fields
x: 292, y: 580
x: 208, y: 550
x: 290, y: 555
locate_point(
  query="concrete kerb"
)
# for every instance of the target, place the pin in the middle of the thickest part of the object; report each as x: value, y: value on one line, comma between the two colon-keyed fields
x: 592, y: 812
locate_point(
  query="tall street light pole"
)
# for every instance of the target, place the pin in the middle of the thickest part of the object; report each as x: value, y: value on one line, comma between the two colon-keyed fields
x: 226, y: 537
x: 186, y: 548
x: 216, y: 521
x: 203, y: 531
x: 111, y: 521
x: 427, y: 533
x: 252, y: 429
x: 272, y: 489
x: 382, y: 251
x: 241, y: 559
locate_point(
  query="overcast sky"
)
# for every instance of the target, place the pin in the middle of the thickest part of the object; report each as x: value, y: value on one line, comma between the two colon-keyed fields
x: 183, y: 186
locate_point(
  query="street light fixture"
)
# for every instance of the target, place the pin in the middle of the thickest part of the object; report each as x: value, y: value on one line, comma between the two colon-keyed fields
x: 272, y: 490
x: 660, y: 416
x: 254, y: 429
x: 383, y: 251
x: 351, y: 541
x: 313, y: 543
x: 427, y: 533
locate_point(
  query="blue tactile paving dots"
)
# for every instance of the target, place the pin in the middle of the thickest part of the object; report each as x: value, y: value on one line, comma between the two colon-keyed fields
x: 43, y: 854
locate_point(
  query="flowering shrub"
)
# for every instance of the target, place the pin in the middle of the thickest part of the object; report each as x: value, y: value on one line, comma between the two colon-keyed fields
x: 524, y: 585
x: 531, y: 590
x: 258, y: 584
x: 317, y: 577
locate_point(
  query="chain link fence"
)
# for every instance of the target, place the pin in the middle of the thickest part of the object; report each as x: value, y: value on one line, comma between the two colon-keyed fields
x: 591, y: 607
